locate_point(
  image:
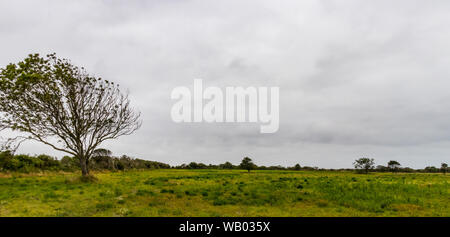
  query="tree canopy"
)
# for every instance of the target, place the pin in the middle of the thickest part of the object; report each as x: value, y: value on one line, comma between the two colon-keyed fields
x: 247, y: 164
x: 393, y: 165
x: 364, y: 164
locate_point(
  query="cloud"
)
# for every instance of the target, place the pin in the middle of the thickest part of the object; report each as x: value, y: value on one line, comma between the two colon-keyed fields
x: 356, y: 78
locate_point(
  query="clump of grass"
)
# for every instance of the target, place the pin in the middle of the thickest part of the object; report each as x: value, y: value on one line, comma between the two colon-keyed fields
x: 322, y: 203
x: 81, y: 179
x: 104, y: 206
x: 190, y: 193
x: 88, y: 179
x: 142, y: 192
x: 117, y: 192
x: 50, y: 195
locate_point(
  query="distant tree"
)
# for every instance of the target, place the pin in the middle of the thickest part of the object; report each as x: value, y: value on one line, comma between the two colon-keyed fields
x: 58, y: 104
x: 393, y: 165
x: 194, y: 165
x: 297, y: 167
x: 69, y: 163
x: 212, y: 166
x: 381, y: 168
x: 226, y: 165
x: 444, y: 168
x: 120, y: 164
x: 101, y: 159
x: 277, y: 167
x: 431, y: 169
x: 364, y: 164
x: 101, y: 152
x: 247, y: 164
x: 308, y: 168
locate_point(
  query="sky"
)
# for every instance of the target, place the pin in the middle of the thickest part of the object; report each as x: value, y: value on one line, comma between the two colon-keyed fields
x: 356, y: 78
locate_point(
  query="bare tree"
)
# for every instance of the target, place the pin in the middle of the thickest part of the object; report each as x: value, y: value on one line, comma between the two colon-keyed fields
x: 48, y: 98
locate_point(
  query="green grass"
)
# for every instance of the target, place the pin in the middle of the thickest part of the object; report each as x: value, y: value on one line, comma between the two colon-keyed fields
x: 226, y: 193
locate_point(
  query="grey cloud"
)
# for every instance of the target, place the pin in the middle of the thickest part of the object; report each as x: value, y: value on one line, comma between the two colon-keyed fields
x: 356, y: 78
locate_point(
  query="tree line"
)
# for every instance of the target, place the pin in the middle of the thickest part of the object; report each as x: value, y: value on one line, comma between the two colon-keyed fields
x: 364, y: 165
x: 103, y: 160
x: 26, y: 163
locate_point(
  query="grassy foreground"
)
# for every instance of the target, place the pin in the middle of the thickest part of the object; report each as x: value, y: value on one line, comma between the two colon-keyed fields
x: 226, y: 193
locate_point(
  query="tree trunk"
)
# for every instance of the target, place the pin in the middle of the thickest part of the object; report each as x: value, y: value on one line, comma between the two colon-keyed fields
x: 84, y: 166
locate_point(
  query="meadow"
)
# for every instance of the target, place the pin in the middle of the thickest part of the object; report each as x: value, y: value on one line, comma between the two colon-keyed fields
x: 176, y: 192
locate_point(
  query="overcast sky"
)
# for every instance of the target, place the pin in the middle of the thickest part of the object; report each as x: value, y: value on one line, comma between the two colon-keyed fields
x: 357, y: 78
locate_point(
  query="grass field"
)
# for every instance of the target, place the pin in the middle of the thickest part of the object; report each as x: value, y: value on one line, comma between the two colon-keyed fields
x: 226, y: 193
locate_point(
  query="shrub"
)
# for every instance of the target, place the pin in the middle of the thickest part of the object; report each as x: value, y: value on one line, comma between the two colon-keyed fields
x: 26, y: 163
